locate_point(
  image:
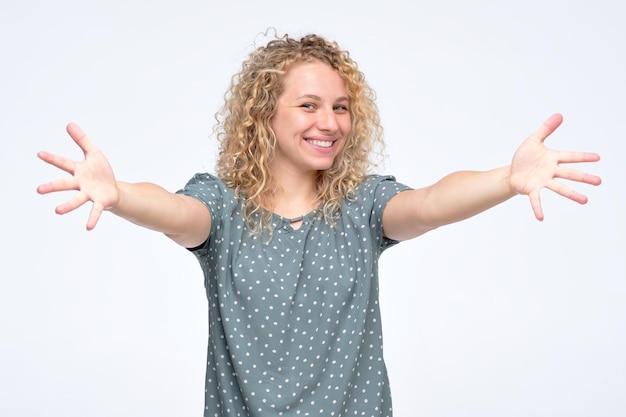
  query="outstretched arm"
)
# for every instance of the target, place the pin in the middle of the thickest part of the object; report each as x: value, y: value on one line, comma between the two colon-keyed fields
x: 464, y: 194
x: 182, y: 218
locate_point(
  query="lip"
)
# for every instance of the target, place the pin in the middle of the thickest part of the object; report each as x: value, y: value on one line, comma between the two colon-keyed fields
x: 318, y: 143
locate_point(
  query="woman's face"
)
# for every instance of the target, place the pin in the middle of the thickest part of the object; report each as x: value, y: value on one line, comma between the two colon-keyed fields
x: 312, y: 119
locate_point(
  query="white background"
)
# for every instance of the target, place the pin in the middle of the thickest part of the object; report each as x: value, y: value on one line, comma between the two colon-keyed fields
x: 500, y: 315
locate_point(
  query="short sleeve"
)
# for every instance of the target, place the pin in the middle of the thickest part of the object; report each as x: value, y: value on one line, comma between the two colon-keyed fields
x: 213, y: 193
x: 374, y: 193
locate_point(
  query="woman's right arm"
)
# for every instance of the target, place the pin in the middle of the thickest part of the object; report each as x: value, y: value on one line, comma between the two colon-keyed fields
x: 184, y: 219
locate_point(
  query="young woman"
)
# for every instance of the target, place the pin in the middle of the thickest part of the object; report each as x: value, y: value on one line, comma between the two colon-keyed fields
x: 289, y: 230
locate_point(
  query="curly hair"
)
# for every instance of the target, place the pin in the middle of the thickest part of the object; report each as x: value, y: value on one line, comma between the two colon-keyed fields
x: 247, y: 141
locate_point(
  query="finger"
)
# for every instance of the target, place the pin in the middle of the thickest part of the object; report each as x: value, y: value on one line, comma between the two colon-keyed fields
x: 546, y: 129
x: 578, y: 176
x: 58, y: 161
x: 72, y: 204
x: 570, y: 157
x: 81, y: 138
x: 535, y: 203
x: 94, y: 216
x: 567, y: 192
x: 63, y: 184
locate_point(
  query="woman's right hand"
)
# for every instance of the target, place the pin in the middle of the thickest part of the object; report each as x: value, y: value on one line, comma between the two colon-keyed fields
x: 92, y: 177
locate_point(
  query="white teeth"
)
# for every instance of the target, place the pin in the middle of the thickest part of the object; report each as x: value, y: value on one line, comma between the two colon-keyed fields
x: 321, y: 143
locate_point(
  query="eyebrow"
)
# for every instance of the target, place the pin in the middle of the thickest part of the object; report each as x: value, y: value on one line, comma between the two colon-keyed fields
x: 314, y: 97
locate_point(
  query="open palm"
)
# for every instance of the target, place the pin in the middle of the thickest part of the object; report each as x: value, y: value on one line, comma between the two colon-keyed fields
x: 92, y: 177
x: 535, y: 166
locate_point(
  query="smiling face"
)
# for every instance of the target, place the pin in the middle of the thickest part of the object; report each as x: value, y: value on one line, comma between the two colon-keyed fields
x: 312, y: 119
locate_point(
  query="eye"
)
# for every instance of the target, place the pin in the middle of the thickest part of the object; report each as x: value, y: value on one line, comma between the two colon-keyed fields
x: 340, y: 108
x: 308, y: 106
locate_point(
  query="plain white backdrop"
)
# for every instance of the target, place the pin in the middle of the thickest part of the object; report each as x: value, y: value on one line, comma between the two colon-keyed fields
x: 500, y: 315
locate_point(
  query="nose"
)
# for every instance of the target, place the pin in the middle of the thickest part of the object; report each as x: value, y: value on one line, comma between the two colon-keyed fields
x: 327, y: 120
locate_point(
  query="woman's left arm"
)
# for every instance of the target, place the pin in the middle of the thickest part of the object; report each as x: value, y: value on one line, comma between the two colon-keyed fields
x: 464, y: 194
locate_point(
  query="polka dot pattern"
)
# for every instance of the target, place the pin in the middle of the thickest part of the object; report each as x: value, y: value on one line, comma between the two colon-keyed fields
x: 294, y: 321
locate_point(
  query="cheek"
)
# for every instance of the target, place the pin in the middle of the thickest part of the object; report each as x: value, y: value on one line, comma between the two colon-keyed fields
x: 342, y: 143
x: 346, y: 128
x: 346, y: 125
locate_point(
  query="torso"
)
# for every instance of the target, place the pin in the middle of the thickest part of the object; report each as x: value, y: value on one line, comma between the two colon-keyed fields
x: 294, y: 321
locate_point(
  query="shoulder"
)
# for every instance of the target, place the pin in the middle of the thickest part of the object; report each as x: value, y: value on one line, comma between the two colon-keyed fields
x: 205, y: 182
x: 373, y: 194
x: 205, y: 179
x: 377, y: 186
x: 363, y: 210
x: 209, y: 189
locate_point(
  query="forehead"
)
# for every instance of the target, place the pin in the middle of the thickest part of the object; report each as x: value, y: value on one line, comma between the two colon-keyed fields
x: 313, y: 77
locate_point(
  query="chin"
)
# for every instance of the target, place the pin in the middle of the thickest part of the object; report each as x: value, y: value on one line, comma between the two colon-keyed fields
x: 324, y: 166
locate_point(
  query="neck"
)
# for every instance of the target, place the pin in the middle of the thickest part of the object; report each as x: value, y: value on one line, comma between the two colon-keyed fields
x: 295, y: 196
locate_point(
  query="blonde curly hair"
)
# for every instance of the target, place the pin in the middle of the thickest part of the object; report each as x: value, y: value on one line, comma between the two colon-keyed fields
x: 247, y: 141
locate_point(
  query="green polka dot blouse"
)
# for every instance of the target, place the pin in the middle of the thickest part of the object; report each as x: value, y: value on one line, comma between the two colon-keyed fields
x: 294, y: 322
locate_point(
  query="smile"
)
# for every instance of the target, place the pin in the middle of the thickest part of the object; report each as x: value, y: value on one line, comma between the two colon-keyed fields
x: 321, y: 143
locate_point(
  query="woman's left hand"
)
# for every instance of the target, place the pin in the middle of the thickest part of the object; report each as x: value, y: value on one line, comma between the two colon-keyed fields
x: 535, y: 166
